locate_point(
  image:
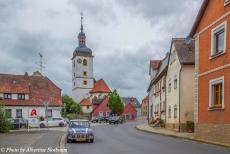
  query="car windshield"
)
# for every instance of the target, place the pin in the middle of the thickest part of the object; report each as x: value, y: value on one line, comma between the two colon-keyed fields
x: 79, y: 124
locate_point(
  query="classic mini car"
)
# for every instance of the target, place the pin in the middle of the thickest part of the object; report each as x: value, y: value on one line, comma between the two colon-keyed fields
x: 79, y: 130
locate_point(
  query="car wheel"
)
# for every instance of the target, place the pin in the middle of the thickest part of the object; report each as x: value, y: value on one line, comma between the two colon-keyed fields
x: 91, y: 140
x: 69, y: 141
x: 42, y: 125
x: 61, y: 124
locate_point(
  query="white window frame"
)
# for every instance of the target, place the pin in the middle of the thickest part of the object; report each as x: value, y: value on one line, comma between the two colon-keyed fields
x: 214, y: 31
x: 211, y: 83
x: 99, y: 114
x: 226, y: 2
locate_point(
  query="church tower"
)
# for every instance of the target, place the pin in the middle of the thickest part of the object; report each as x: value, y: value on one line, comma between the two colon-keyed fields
x: 82, y: 68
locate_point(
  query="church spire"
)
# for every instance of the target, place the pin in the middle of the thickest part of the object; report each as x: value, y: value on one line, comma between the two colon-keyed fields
x: 81, y: 35
x: 81, y: 21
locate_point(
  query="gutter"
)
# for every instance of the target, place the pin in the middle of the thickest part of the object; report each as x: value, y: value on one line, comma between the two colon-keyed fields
x: 179, y: 96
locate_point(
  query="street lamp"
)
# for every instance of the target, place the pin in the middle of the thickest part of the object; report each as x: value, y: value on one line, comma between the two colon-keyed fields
x: 46, y: 104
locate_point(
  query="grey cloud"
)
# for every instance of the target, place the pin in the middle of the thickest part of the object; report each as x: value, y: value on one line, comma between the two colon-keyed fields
x: 123, y: 68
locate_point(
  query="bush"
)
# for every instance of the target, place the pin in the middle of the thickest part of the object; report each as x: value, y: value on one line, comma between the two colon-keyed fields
x: 5, y: 125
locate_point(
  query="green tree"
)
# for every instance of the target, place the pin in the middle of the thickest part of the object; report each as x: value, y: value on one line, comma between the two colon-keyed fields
x: 5, y: 125
x: 115, y: 103
x: 70, y: 104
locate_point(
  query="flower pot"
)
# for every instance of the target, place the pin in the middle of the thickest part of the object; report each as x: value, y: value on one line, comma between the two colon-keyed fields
x: 190, y: 130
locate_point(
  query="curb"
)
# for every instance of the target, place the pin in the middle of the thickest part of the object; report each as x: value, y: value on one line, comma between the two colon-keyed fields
x: 186, y: 138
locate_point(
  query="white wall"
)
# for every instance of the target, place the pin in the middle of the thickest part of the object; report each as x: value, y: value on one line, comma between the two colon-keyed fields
x: 79, y: 90
x: 56, y: 111
x: 98, y: 95
x: 85, y: 110
x: 173, y: 96
x: 78, y: 94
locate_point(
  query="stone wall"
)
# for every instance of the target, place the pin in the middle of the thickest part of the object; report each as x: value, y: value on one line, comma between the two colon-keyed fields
x: 216, y: 133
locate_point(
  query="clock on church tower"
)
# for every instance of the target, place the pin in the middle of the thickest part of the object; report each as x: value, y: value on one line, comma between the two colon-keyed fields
x: 82, y: 68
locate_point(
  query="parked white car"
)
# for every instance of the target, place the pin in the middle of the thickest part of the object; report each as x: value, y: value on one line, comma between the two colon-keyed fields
x: 53, y: 122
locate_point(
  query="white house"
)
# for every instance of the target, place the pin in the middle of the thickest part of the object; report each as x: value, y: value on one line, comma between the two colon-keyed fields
x: 24, y: 96
x: 157, y: 89
x: 180, y: 84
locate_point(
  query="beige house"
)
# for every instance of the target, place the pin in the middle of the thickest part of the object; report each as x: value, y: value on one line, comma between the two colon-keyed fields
x: 86, y: 106
x: 180, y: 84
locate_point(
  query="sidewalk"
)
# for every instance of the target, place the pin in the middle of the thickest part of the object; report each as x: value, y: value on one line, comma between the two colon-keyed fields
x: 166, y: 132
x: 163, y: 131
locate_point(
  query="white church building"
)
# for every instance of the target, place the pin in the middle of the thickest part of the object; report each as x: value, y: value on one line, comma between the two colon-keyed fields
x: 82, y: 69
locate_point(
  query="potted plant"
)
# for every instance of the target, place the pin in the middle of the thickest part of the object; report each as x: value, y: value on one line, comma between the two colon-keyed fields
x: 190, y: 126
x: 162, y: 123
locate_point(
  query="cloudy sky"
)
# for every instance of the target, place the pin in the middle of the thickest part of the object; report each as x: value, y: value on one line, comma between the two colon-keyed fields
x: 123, y: 34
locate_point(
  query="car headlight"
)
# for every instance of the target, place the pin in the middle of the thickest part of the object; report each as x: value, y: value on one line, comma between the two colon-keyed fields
x: 90, y: 131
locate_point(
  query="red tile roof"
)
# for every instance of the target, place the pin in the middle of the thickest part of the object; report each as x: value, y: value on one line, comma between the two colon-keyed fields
x: 100, y: 87
x: 85, y: 102
x: 39, y: 88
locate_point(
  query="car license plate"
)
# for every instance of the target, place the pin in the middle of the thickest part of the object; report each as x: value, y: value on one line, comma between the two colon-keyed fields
x: 80, y: 138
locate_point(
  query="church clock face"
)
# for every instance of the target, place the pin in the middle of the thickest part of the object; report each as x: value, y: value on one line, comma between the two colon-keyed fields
x: 79, y: 60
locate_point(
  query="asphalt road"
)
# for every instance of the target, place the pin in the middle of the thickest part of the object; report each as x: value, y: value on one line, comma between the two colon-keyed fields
x: 35, y: 140
x: 125, y: 139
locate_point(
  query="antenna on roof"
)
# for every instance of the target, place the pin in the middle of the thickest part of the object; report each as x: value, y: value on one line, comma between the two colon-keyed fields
x: 41, y: 65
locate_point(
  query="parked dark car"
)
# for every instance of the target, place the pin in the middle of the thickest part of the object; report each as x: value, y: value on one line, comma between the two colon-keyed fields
x: 95, y: 120
x: 19, y: 123
x: 79, y: 130
x: 115, y: 120
x: 103, y: 119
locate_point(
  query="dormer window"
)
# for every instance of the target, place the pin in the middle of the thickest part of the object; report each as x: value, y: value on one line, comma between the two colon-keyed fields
x: 7, y: 96
x: 21, y: 96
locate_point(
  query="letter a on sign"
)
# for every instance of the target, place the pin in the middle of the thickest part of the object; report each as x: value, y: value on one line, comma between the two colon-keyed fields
x: 33, y: 113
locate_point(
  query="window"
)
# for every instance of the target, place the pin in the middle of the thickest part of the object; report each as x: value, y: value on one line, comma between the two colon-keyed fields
x: 84, y: 62
x: 175, y: 111
x: 219, y: 39
x: 169, y: 114
x: 21, y: 96
x: 216, y: 93
x: 85, y: 82
x: 49, y: 113
x: 8, y: 113
x: 85, y: 73
x: 169, y: 90
x: 18, y: 113
x: 226, y: 2
x: 7, y: 96
x: 100, y: 114
x: 175, y: 82
x: 87, y: 107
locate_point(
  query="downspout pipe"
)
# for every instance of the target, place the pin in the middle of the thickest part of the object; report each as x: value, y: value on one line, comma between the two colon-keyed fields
x: 179, y: 97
